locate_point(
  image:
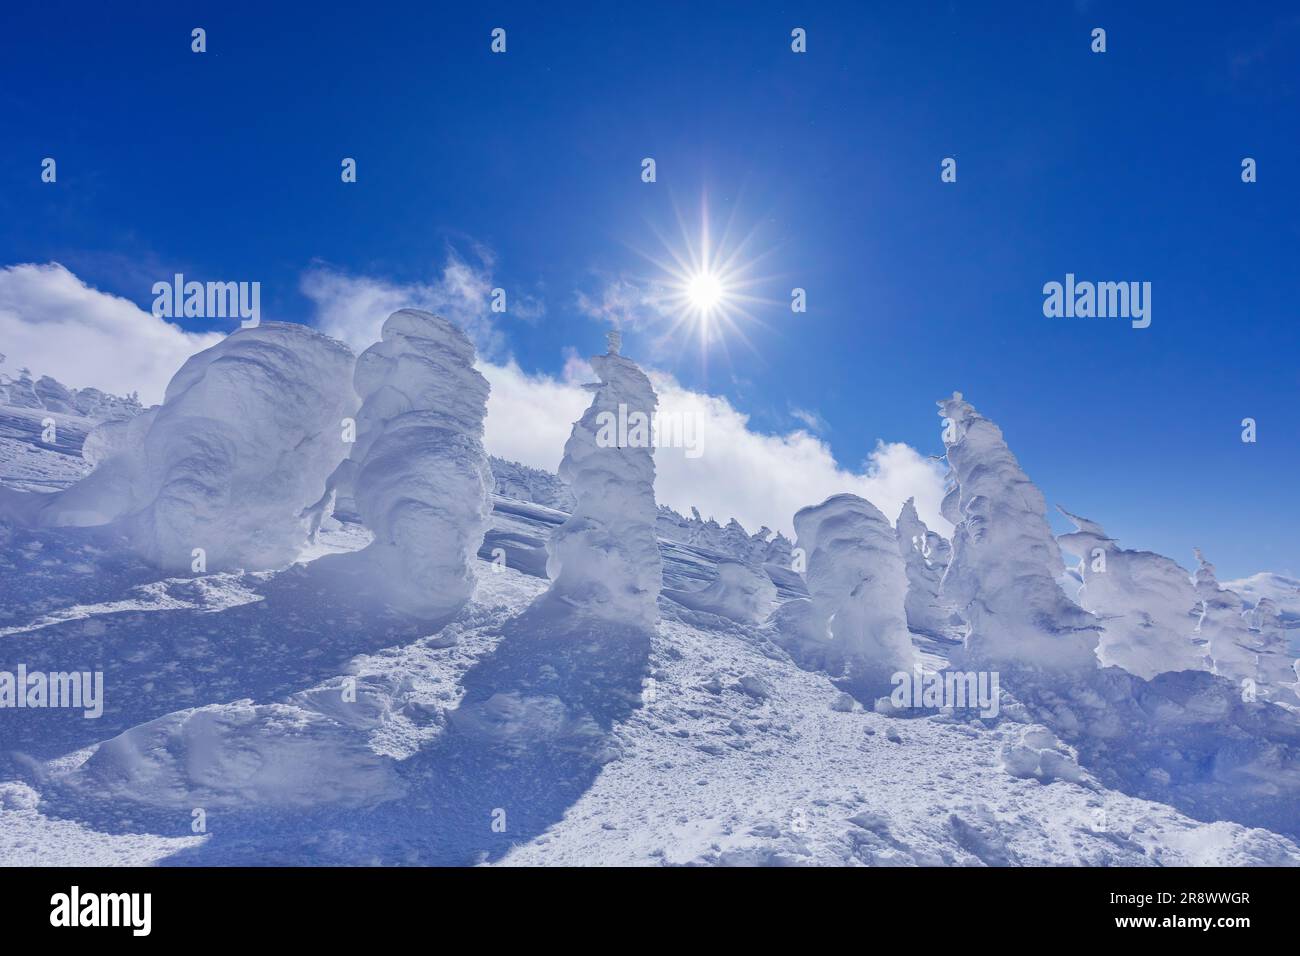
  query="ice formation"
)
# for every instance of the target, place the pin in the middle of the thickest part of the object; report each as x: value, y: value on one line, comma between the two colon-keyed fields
x: 247, y: 432
x: 605, y: 558
x: 417, y: 472
x: 524, y: 483
x: 1145, y: 601
x: 1005, y: 562
x: 52, y: 395
x: 740, y: 592
x: 1224, y: 628
x: 855, y: 620
x: 731, y: 539
x: 925, y: 557
x: 1278, y: 668
x: 516, y: 708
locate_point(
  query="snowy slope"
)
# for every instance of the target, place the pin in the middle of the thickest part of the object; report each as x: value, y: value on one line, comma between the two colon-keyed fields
x: 28, y: 463
x: 735, y: 756
x: 505, y: 738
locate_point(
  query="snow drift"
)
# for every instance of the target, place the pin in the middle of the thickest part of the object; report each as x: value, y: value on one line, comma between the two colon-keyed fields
x: 740, y: 592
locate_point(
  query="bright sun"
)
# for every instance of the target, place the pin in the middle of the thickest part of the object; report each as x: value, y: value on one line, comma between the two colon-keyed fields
x: 706, y: 283
x: 705, y: 292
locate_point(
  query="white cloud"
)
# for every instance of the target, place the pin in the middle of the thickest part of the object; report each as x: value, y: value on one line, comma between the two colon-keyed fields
x: 530, y: 416
x: 54, y: 324
x: 812, y: 419
x: 757, y: 478
x: 626, y: 303
x: 353, y: 308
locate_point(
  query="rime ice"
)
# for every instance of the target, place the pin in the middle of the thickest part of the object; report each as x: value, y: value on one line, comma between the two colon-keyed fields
x: 1005, y: 562
x: 605, y: 559
x: 925, y: 557
x: 418, y: 473
x: 858, y: 590
x: 246, y: 434
x: 1145, y: 601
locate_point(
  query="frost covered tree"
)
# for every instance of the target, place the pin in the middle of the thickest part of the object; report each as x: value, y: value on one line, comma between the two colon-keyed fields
x: 854, y: 623
x: 1145, y: 601
x: 1005, y: 561
x: 925, y: 557
x: 604, y: 560
x: 1222, y: 625
x: 215, y: 476
x: 417, y: 472
x: 1279, y: 669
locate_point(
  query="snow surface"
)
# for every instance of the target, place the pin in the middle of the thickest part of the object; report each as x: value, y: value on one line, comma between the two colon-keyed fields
x: 310, y: 727
x: 741, y: 592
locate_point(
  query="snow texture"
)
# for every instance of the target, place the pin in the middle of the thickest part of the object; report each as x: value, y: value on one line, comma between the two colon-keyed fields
x: 417, y: 474
x: 740, y: 592
x: 604, y: 560
x: 1005, y: 563
x: 1145, y: 601
x: 855, y: 623
x: 925, y: 558
x: 247, y: 432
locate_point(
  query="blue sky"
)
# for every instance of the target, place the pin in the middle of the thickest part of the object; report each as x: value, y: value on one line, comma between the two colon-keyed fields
x: 1118, y: 166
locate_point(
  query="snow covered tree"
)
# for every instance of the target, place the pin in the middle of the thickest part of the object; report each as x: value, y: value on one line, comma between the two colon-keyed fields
x: 856, y: 619
x: 1279, y: 669
x: 604, y: 560
x: 925, y: 558
x: 417, y: 472
x: 1224, y: 629
x: 1145, y: 601
x: 1005, y: 561
x: 214, y: 477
